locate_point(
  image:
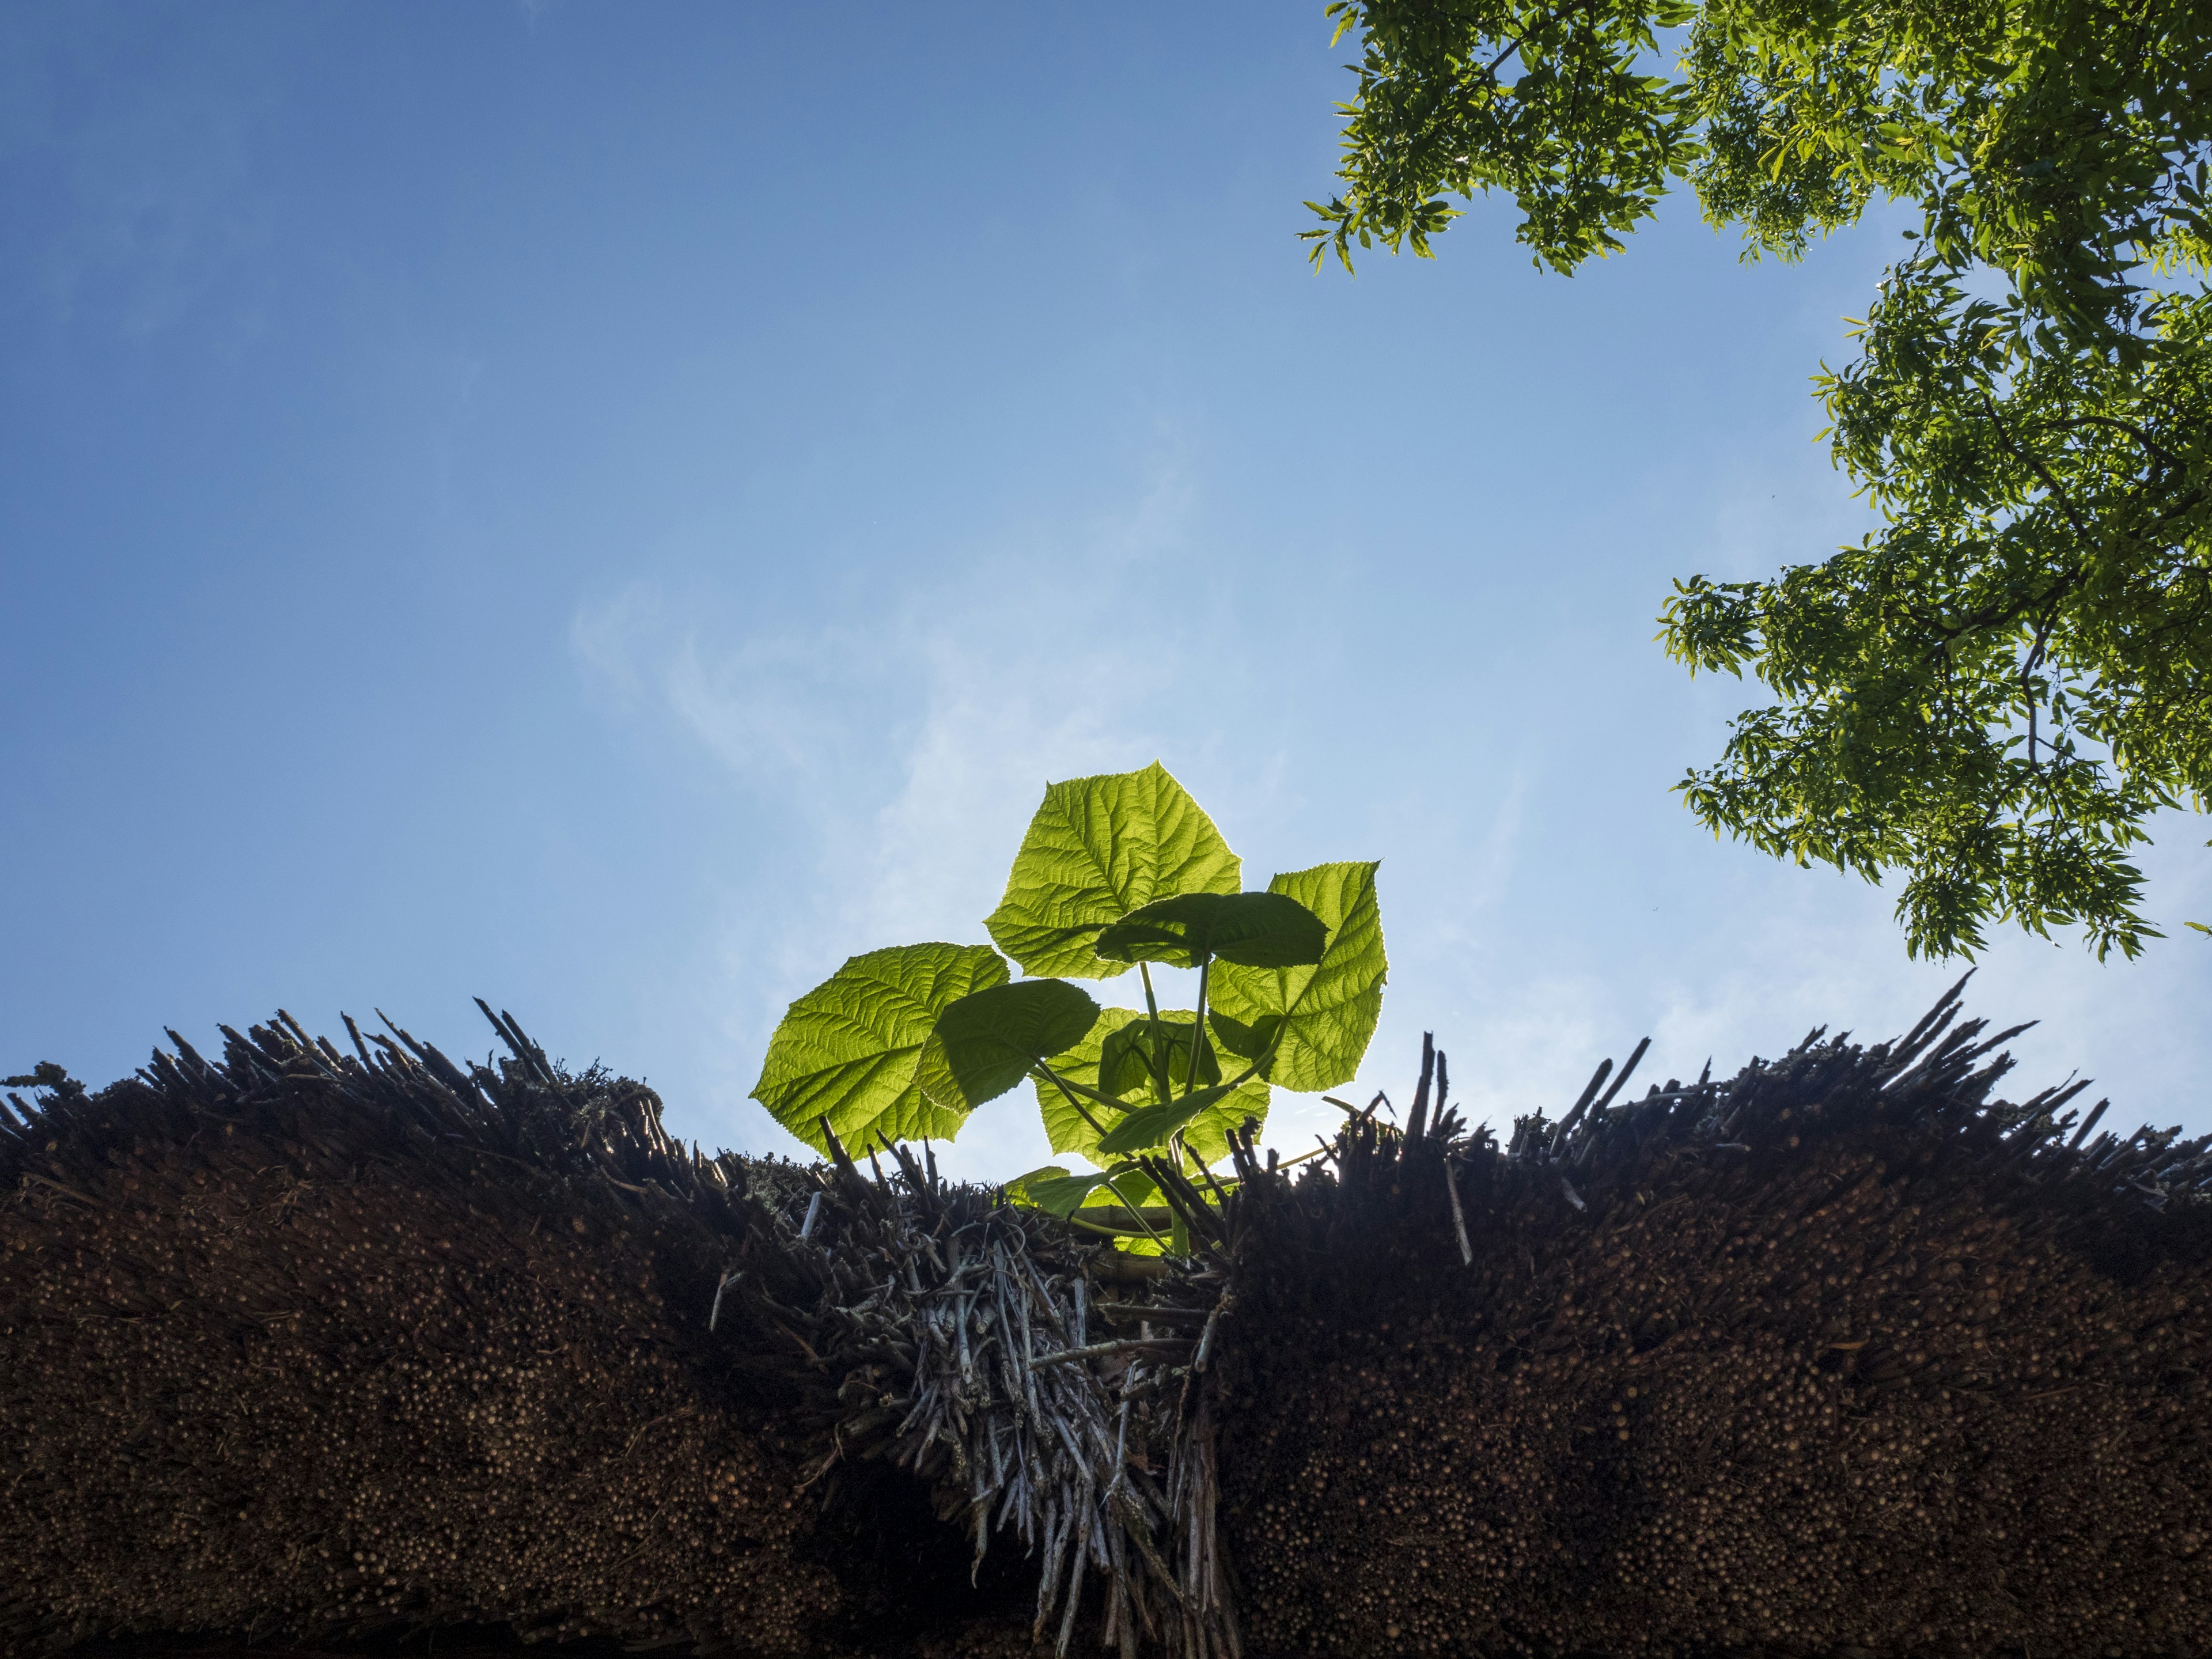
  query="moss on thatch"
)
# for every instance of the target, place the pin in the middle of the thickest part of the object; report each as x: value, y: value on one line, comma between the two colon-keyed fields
x: 1843, y: 1355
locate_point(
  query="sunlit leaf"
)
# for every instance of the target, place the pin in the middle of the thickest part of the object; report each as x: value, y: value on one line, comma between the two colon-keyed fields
x: 1256, y: 930
x: 848, y: 1049
x: 1125, y: 1063
x: 1018, y: 1187
x: 987, y: 1043
x: 1098, y: 848
x: 1063, y: 1196
x: 1328, y: 1010
x: 1148, y: 1127
x: 1065, y: 1126
x: 1245, y: 1041
x: 1123, y: 1187
x: 1207, y: 1134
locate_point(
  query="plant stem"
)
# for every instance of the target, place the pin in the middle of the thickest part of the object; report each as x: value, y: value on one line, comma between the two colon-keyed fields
x: 1069, y: 1086
x: 1069, y: 1089
x: 1135, y: 1213
x: 1197, y: 1029
x: 1162, y: 1089
x: 1107, y: 1229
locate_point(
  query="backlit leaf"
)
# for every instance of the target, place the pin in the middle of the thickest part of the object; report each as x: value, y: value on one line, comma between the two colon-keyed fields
x: 1069, y: 1131
x: 1257, y: 930
x: 1065, y: 1126
x: 1063, y: 1195
x: 1053, y: 1189
x: 1328, y: 1010
x: 1245, y: 1041
x: 1207, y: 1134
x: 848, y: 1049
x: 1018, y: 1188
x: 1098, y: 848
x: 1126, y: 1059
x: 987, y: 1043
x: 1149, y: 1127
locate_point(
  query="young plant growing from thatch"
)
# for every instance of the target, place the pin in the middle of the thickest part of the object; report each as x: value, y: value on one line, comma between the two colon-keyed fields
x: 1116, y: 871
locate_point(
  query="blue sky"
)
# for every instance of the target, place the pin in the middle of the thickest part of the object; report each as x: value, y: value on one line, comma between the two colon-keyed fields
x: 614, y: 509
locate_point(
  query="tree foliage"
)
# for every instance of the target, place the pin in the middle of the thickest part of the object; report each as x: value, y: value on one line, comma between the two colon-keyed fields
x: 1990, y: 694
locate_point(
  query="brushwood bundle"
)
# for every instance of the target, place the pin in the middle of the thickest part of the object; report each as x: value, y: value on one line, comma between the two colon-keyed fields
x: 1843, y: 1355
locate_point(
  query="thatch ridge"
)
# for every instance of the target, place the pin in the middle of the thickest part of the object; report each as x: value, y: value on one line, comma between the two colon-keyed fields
x: 1601, y: 1386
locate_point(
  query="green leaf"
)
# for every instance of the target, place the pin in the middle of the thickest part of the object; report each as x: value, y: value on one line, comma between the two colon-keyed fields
x: 1062, y: 1195
x: 1125, y: 1060
x: 1257, y: 930
x: 848, y: 1049
x: 1245, y: 1041
x: 1053, y: 1189
x: 1148, y: 1127
x: 1020, y: 1188
x: 1064, y: 1125
x: 1205, y: 1135
x: 985, y: 1043
x: 1328, y: 1010
x: 1131, y: 1188
x: 1098, y: 848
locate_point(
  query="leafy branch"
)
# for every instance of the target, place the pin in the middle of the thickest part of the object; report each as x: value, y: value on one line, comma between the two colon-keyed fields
x: 1994, y: 694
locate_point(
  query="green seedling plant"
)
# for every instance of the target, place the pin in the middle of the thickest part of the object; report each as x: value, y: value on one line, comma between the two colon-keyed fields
x: 1117, y: 872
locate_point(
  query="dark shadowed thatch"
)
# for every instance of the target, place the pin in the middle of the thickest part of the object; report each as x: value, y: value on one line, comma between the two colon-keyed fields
x: 307, y: 1346
x: 1842, y: 1356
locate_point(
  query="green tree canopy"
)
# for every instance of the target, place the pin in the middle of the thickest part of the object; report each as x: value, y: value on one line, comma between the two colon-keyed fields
x: 1992, y: 694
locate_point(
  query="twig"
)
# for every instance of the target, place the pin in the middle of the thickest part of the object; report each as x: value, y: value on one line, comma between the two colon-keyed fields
x: 1125, y: 1345
x: 1459, y: 1216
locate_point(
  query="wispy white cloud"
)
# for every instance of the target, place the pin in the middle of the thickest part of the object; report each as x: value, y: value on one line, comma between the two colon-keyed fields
x: 765, y: 709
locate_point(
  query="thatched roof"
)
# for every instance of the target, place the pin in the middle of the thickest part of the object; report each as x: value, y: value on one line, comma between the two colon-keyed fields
x: 1842, y: 1354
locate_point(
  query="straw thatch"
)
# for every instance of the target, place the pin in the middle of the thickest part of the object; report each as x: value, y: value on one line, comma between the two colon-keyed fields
x: 1841, y: 1356
x: 308, y: 1345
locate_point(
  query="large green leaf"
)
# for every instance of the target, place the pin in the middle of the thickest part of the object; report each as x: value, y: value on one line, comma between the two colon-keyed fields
x: 1149, y: 1127
x: 847, y: 1050
x: 1328, y: 1010
x: 1098, y: 848
x: 1125, y: 1060
x: 1078, y: 1063
x: 1053, y: 1189
x: 1023, y: 1188
x: 1206, y: 1128
x: 1207, y: 1134
x: 1124, y: 1187
x: 1245, y: 1041
x: 1258, y: 930
x: 986, y: 1041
